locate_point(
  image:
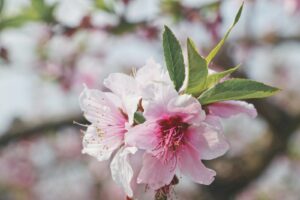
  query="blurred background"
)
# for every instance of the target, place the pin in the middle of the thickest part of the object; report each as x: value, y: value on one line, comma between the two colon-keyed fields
x: 49, y: 48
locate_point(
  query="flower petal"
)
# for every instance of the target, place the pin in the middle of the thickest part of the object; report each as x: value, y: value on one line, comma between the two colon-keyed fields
x: 229, y: 108
x: 190, y: 165
x: 130, y: 103
x: 127, y: 89
x: 99, y: 108
x: 142, y: 136
x: 208, y: 139
x: 121, y: 84
x: 155, y: 172
x: 187, y: 105
x: 156, y: 106
x: 121, y: 170
x: 99, y: 145
x: 152, y: 72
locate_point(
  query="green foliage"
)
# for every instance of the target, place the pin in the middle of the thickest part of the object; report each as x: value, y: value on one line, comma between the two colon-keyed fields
x: 236, y: 89
x: 1, y: 6
x: 174, y: 58
x: 43, y: 11
x: 37, y: 11
x: 139, y: 118
x: 15, y: 21
x: 217, y: 48
x: 215, y: 78
x: 197, y: 70
x: 104, y: 5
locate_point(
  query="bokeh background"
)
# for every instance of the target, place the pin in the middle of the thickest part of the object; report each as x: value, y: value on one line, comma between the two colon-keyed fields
x: 50, y: 48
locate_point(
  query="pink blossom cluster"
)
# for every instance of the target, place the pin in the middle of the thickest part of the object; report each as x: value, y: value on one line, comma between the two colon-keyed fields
x: 153, y: 134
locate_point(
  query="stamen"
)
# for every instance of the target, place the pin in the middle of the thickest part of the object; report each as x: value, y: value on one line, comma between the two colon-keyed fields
x: 171, y: 136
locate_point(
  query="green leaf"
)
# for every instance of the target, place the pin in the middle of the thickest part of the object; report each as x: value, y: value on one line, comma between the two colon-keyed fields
x: 38, y: 5
x: 197, y: 70
x: 43, y: 11
x: 215, y: 78
x: 216, y: 49
x: 105, y: 5
x: 1, y: 6
x: 236, y: 89
x: 13, y: 22
x: 139, y: 118
x: 173, y: 58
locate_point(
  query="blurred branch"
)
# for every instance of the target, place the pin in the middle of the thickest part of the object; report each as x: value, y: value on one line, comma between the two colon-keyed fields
x: 270, y: 38
x: 22, y: 131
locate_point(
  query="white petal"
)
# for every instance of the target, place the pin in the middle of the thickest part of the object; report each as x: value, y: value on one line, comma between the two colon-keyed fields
x: 100, y: 146
x: 152, y: 72
x: 121, y: 169
x: 130, y: 103
x: 121, y: 84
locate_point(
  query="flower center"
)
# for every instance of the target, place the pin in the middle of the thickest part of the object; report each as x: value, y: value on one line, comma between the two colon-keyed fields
x: 171, y: 135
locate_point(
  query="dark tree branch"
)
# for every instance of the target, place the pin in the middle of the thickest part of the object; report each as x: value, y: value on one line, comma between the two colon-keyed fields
x: 22, y: 131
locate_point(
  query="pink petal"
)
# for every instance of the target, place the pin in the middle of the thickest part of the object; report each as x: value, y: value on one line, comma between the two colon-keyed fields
x: 155, y: 172
x: 142, y: 136
x: 140, y: 191
x: 100, y: 146
x: 156, y: 107
x: 190, y: 165
x: 127, y: 89
x: 209, y: 140
x: 99, y: 108
x: 188, y: 106
x: 229, y: 108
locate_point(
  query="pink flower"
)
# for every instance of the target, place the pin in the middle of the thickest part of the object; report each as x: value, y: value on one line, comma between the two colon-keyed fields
x: 105, y: 134
x: 142, y: 86
x: 108, y: 119
x: 111, y: 114
x: 175, y: 136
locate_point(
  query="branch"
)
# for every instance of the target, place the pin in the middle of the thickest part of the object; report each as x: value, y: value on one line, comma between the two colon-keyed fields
x: 270, y: 38
x: 22, y: 131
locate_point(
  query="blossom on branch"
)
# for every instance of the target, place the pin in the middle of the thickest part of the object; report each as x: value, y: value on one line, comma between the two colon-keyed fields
x: 156, y: 127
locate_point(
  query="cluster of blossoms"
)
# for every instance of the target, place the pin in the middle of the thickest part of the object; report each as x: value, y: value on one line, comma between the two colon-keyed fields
x: 156, y: 124
x: 177, y: 132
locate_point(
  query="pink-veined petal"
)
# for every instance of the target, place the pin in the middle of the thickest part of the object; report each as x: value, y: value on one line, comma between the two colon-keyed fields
x: 191, y: 166
x: 99, y: 145
x: 187, y: 105
x: 157, y: 106
x: 208, y: 139
x: 127, y: 89
x: 155, y: 172
x: 229, y: 108
x: 140, y: 191
x: 142, y: 136
x: 99, y: 108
